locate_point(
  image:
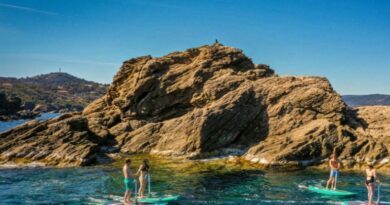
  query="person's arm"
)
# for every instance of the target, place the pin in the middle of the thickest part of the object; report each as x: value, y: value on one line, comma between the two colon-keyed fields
x: 139, y: 171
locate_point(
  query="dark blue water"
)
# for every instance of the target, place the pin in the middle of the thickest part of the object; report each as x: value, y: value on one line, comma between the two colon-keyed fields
x: 4, y: 126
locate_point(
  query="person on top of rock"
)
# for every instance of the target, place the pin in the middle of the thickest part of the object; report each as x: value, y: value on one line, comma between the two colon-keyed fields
x: 370, y: 182
x: 143, y: 173
x: 128, y: 181
x: 335, y: 166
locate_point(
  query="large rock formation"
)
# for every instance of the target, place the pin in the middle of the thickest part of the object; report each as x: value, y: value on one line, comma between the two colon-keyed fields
x: 203, y: 102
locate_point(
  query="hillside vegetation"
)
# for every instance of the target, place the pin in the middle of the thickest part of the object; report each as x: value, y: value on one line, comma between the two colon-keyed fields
x: 59, y: 92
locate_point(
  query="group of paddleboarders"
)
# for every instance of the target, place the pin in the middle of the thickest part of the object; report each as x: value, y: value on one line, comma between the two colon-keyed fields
x: 371, y: 177
x: 334, y: 163
x: 142, y: 174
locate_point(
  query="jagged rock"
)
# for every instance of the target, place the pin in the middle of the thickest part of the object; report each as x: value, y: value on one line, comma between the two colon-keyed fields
x: 63, y: 141
x: 202, y: 102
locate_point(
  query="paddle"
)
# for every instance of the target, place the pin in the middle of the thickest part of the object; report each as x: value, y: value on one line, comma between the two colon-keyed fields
x: 149, y: 185
x: 135, y: 189
x: 335, y: 181
x: 379, y: 194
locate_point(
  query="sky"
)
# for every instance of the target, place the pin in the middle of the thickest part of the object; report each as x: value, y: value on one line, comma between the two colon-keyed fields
x: 347, y: 41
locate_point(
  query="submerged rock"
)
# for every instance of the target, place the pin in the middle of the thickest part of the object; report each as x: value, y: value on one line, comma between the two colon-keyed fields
x: 199, y: 103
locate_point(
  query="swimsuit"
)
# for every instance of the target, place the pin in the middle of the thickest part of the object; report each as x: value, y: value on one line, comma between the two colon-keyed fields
x: 145, y: 172
x: 334, y: 173
x: 128, y: 184
x: 370, y: 180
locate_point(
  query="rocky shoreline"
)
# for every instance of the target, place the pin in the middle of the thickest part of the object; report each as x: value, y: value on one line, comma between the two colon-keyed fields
x: 201, y: 102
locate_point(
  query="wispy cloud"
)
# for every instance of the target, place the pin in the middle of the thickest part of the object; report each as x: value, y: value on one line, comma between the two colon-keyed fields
x: 28, y: 9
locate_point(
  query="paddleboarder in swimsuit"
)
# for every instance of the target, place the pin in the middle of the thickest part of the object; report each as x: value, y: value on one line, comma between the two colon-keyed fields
x: 143, y: 173
x: 335, y: 166
x: 128, y: 181
x: 370, y: 182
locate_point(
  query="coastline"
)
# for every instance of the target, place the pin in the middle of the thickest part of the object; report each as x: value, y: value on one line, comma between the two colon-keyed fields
x: 232, y: 163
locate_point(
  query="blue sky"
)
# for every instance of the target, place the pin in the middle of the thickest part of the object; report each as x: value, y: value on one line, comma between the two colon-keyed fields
x: 346, y: 41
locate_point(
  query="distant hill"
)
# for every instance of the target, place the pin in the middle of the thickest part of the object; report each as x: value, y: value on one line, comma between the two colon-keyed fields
x: 364, y: 100
x: 59, y: 92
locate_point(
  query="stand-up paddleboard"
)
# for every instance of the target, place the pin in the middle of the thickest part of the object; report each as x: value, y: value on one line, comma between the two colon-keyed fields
x: 340, y: 193
x: 154, y: 200
x: 357, y: 203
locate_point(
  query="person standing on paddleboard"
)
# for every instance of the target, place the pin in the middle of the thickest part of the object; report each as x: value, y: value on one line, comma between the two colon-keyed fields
x: 128, y: 181
x: 370, y: 182
x: 143, y: 173
x: 335, y: 166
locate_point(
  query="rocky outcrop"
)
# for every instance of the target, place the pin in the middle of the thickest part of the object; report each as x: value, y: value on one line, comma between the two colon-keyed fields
x: 203, y: 102
x: 11, y: 108
x: 63, y: 141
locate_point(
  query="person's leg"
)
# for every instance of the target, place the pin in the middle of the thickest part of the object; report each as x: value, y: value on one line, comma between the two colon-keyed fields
x: 369, y: 194
x: 372, y: 192
x: 128, y: 184
x: 126, y: 196
x: 329, y: 180
x: 141, y: 186
x: 335, y: 176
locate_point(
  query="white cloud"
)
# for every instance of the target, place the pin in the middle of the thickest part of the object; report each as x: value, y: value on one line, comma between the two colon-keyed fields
x: 28, y: 9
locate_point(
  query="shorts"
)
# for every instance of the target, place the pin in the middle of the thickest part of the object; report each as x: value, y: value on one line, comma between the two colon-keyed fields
x: 371, y: 180
x: 128, y: 184
x: 334, y: 173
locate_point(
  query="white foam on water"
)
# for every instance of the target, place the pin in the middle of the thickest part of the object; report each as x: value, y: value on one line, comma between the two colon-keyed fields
x: 29, y: 165
x: 301, y: 186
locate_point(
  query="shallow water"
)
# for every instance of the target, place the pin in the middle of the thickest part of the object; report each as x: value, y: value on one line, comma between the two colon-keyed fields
x: 103, y: 185
x: 4, y: 126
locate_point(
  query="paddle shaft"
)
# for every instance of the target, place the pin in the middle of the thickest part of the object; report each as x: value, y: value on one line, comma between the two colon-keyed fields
x: 135, y: 187
x: 379, y: 194
x: 149, y: 185
x: 335, y: 180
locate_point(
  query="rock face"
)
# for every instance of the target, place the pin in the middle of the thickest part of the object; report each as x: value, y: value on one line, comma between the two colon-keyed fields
x: 203, y: 102
x: 64, y: 141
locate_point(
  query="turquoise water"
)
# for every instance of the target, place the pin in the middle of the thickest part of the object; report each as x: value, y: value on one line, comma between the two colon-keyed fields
x: 103, y: 185
x: 4, y: 126
x: 196, y: 182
